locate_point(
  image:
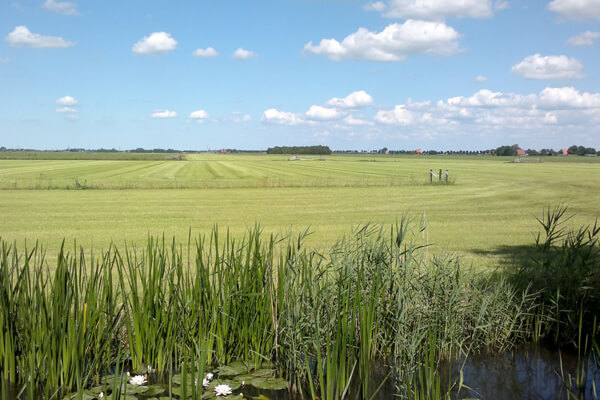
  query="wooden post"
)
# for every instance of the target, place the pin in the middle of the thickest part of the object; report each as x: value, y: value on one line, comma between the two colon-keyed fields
x: 440, y: 176
x: 431, y: 176
x: 446, y: 176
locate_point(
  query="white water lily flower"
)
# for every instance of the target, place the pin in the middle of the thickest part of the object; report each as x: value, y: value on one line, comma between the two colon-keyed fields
x: 222, y: 390
x: 205, y: 382
x: 138, y: 380
x: 209, y: 376
x: 101, y: 395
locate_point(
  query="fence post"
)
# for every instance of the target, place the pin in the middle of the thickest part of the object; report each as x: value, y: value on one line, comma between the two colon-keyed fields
x: 440, y: 176
x: 446, y: 176
x: 431, y: 176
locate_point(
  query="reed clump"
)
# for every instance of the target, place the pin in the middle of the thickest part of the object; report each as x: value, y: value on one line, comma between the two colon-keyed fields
x: 324, y: 319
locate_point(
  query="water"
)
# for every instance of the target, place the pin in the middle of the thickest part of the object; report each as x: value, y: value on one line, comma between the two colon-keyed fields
x: 528, y: 372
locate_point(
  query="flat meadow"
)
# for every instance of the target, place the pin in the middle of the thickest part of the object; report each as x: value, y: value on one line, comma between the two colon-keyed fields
x: 358, y: 294
x: 488, y: 208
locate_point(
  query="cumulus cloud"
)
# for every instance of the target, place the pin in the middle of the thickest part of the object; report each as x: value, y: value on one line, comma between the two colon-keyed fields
x: 242, y: 54
x: 438, y: 9
x: 352, y: 121
x: 394, y: 43
x: 61, y: 7
x: 157, y: 42
x: 568, y: 98
x: 400, y: 115
x: 500, y: 5
x: 548, y: 67
x: 552, y: 111
x: 163, y: 114
x: 68, y: 101
x: 239, y: 117
x: 22, y: 36
x: 207, y: 52
x: 274, y: 116
x: 353, y: 100
x: 576, y: 9
x: 66, y: 110
x: 322, y: 113
x: 378, y: 6
x: 481, y: 78
x: 5, y: 60
x: 199, y: 115
x: 585, y: 39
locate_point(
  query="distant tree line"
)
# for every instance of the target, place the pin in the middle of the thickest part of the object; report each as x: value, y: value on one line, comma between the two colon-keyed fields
x: 309, y: 150
x: 572, y: 151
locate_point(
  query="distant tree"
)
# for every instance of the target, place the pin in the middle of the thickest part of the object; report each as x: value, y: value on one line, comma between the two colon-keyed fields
x: 507, y: 150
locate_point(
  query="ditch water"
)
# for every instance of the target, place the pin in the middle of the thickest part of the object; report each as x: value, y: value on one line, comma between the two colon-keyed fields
x: 528, y: 372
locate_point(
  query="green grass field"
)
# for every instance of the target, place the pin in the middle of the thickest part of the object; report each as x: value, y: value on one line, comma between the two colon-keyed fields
x: 490, y: 207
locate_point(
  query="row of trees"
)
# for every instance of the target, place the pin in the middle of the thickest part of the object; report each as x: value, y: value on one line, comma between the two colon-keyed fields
x: 321, y: 150
x: 572, y: 151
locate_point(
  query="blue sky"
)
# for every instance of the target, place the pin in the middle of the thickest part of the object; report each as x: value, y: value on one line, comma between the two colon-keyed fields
x: 431, y: 74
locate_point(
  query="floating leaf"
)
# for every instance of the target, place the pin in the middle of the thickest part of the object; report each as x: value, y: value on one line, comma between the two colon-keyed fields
x: 235, y: 368
x: 268, y: 383
x: 154, y: 390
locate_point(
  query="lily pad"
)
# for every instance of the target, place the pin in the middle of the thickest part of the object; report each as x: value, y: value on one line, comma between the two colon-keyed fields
x: 235, y: 368
x: 154, y: 390
x: 268, y: 383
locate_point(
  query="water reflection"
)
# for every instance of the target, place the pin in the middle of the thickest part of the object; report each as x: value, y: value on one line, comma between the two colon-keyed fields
x: 529, y: 372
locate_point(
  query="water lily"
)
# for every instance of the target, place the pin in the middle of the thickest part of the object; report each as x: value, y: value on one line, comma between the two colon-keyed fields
x: 209, y: 376
x: 138, y: 380
x: 101, y: 395
x: 205, y: 382
x: 222, y: 390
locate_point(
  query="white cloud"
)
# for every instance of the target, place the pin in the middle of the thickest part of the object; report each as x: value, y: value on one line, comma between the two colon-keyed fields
x: 350, y: 120
x: 438, y: 9
x: 5, y: 60
x: 353, y: 100
x: 239, y: 117
x: 487, y: 98
x: 66, y: 110
x: 67, y: 101
x: 242, y: 54
x: 481, y: 78
x: 394, y: 43
x: 576, y: 9
x: 400, y: 115
x: 157, y: 42
x: 548, y: 67
x: 22, y: 36
x: 568, y: 98
x: 61, y: 7
x: 199, y: 115
x: 378, y: 6
x: 585, y: 39
x: 207, y: 52
x: 500, y: 5
x: 322, y: 113
x: 163, y: 114
x: 274, y: 116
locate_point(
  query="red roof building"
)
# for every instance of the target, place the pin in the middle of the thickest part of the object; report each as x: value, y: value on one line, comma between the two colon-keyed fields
x: 521, y: 152
x: 419, y: 151
x: 564, y: 152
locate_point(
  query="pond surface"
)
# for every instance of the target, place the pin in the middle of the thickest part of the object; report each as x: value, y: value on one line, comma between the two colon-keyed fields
x: 528, y: 372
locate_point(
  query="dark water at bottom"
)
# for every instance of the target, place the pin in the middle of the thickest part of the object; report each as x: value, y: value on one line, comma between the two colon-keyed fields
x: 529, y: 372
